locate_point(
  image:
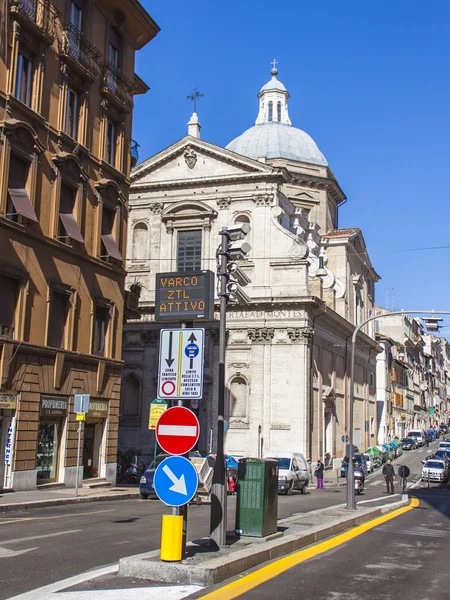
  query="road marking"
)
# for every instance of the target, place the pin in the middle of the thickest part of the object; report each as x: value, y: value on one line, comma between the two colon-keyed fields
x: 8, y: 520
x: 249, y: 582
x: 375, y: 499
x: 5, y: 553
x: 172, y: 592
x: 38, y: 537
x: 375, y: 482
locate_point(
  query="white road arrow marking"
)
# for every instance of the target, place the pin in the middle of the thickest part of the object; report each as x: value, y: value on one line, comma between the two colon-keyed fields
x: 179, y: 485
x: 5, y: 553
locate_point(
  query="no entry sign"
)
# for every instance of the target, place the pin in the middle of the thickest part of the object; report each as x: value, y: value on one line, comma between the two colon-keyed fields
x: 177, y: 430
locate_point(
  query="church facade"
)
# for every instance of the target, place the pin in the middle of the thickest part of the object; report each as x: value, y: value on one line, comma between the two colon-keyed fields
x: 288, y: 352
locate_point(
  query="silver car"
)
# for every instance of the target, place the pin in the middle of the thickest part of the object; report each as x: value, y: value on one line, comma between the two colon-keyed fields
x: 435, y: 470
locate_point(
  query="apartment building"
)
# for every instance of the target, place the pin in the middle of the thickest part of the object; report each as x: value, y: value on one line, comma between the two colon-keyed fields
x: 67, y: 84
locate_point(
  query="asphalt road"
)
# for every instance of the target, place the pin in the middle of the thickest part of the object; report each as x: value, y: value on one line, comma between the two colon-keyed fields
x: 43, y: 546
x: 403, y: 558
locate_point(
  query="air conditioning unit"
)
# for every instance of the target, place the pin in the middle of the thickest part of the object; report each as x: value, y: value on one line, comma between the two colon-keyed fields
x: 7, y: 331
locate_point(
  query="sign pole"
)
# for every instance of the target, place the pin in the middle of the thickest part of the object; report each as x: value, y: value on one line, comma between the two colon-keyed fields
x: 78, y: 458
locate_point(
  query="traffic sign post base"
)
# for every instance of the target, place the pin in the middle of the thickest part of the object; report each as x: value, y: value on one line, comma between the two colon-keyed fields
x: 171, y: 538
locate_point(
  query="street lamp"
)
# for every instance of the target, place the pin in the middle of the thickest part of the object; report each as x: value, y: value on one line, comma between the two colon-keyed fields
x: 430, y: 324
x: 230, y: 278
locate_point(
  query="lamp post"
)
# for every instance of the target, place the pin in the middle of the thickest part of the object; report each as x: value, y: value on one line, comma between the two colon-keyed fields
x: 432, y: 324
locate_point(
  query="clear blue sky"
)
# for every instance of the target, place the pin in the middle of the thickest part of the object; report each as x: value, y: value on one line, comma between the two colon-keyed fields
x: 369, y: 81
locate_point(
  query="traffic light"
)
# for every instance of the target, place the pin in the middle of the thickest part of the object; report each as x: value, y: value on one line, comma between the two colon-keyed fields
x: 233, y: 248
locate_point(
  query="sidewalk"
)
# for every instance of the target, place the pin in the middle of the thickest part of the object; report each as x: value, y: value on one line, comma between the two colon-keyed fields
x: 60, y: 496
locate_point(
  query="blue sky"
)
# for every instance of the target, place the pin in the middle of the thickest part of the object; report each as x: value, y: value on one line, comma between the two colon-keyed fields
x: 369, y: 81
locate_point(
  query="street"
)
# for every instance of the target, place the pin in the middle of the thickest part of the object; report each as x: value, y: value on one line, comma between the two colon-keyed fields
x: 53, y: 544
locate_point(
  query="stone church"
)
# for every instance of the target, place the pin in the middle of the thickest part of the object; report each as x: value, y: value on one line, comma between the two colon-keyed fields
x: 288, y: 352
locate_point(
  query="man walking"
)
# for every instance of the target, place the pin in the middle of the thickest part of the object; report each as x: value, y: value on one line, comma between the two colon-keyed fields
x: 388, y: 472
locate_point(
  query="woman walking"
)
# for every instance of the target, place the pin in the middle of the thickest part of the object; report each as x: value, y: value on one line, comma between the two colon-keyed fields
x: 319, y: 474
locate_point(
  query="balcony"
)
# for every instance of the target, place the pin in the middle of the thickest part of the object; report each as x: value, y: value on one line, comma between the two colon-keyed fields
x: 117, y: 88
x: 82, y: 56
x: 134, y: 153
x: 38, y: 17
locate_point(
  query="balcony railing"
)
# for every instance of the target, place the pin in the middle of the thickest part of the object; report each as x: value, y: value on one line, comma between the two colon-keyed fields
x: 82, y: 54
x: 37, y: 15
x: 117, y: 86
x: 134, y: 153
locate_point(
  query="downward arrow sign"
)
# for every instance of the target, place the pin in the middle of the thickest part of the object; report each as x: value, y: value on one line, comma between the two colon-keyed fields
x: 169, y: 359
x: 179, y: 485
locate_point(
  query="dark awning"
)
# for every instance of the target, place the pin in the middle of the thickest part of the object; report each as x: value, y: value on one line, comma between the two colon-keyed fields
x: 111, y: 246
x: 71, y: 226
x: 22, y: 203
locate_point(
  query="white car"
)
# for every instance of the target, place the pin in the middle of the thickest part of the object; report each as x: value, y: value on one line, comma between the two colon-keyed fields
x: 369, y: 462
x: 444, y: 446
x: 435, y: 470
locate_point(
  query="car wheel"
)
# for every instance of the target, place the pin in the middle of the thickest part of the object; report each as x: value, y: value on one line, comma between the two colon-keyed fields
x: 304, y: 488
x: 144, y: 496
x: 290, y: 489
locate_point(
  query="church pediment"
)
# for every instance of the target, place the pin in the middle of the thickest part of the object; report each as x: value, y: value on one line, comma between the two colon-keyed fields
x: 191, y: 159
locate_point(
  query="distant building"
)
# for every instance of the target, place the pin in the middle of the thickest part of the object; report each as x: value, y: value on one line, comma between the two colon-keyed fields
x: 67, y: 83
x: 287, y: 371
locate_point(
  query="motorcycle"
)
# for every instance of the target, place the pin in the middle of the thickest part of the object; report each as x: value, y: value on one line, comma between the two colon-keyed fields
x: 134, y: 471
x: 359, y: 480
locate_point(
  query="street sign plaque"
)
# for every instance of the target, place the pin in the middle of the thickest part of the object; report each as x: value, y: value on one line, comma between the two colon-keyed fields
x: 175, y: 481
x: 184, y: 295
x: 157, y: 408
x: 177, y: 430
x: 180, y: 374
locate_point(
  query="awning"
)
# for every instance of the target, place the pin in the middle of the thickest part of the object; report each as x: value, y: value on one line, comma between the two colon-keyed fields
x: 22, y: 203
x: 111, y: 246
x: 71, y: 226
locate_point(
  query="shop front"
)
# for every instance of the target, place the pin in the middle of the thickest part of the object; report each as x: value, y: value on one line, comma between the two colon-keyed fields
x: 51, y: 433
x: 94, y: 447
x: 8, y: 402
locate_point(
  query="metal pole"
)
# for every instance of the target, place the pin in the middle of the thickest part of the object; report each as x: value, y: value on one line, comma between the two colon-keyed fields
x: 218, y: 523
x: 78, y: 458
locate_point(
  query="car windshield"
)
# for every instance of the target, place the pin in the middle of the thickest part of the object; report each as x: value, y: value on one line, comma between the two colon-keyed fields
x: 434, y: 464
x: 283, y: 462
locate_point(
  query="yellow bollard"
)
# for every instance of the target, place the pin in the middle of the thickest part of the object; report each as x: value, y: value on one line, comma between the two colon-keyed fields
x: 171, y: 538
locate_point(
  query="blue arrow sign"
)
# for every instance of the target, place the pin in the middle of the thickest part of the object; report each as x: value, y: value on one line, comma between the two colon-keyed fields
x: 175, y: 481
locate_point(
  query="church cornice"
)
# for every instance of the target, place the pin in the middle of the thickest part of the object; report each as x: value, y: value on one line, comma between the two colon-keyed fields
x: 319, y: 183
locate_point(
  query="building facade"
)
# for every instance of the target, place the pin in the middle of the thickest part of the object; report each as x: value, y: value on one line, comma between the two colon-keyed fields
x: 66, y: 97
x: 288, y: 358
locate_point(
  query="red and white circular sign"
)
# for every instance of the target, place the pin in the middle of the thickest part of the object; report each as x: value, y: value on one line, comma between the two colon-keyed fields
x: 177, y: 430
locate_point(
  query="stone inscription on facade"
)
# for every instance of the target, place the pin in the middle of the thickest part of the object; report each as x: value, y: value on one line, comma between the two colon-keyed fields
x: 264, y: 314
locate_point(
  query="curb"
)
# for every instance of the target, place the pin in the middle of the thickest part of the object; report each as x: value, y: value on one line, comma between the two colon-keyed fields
x: 62, y: 501
x: 215, y: 570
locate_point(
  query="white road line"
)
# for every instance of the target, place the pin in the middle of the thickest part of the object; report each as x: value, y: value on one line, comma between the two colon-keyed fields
x: 38, y: 537
x: 375, y: 499
x: 173, y: 592
x: 375, y: 482
x: 189, y: 430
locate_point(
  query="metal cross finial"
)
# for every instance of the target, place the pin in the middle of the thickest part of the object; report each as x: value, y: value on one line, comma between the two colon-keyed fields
x: 274, y: 63
x: 194, y: 97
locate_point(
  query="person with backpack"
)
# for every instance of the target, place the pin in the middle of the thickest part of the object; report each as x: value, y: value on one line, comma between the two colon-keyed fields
x: 318, y: 473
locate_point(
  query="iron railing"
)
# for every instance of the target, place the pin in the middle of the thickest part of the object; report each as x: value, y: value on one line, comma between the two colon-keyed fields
x: 134, y: 153
x: 119, y: 86
x: 41, y: 13
x: 77, y: 48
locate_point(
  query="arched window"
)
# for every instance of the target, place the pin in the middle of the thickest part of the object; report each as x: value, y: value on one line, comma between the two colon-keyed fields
x: 242, y: 219
x: 131, y: 397
x: 279, y: 112
x: 238, y: 397
x: 140, y: 242
x: 270, y: 115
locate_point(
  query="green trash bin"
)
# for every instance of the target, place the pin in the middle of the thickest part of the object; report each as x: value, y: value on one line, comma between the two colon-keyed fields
x: 257, y: 497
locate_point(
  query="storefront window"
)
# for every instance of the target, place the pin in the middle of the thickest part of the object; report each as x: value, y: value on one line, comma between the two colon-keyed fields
x: 48, y: 450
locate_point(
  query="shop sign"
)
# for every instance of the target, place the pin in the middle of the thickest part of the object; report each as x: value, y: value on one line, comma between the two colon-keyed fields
x: 10, y: 441
x: 98, y: 408
x: 53, y: 406
x: 8, y: 400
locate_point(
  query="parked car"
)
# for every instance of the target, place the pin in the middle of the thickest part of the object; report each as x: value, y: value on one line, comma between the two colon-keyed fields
x: 293, y: 472
x: 443, y: 455
x: 146, y: 488
x: 358, y: 459
x: 435, y: 470
x: 409, y: 443
x: 443, y: 445
x: 418, y: 434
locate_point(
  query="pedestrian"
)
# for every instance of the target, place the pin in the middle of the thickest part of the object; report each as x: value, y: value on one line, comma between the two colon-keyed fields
x: 389, y: 473
x: 318, y: 473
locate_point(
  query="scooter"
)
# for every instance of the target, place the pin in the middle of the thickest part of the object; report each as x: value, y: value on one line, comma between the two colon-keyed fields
x: 359, y: 480
x: 133, y: 473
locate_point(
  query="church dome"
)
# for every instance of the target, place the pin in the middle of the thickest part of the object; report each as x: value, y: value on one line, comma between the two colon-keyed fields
x: 273, y: 136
